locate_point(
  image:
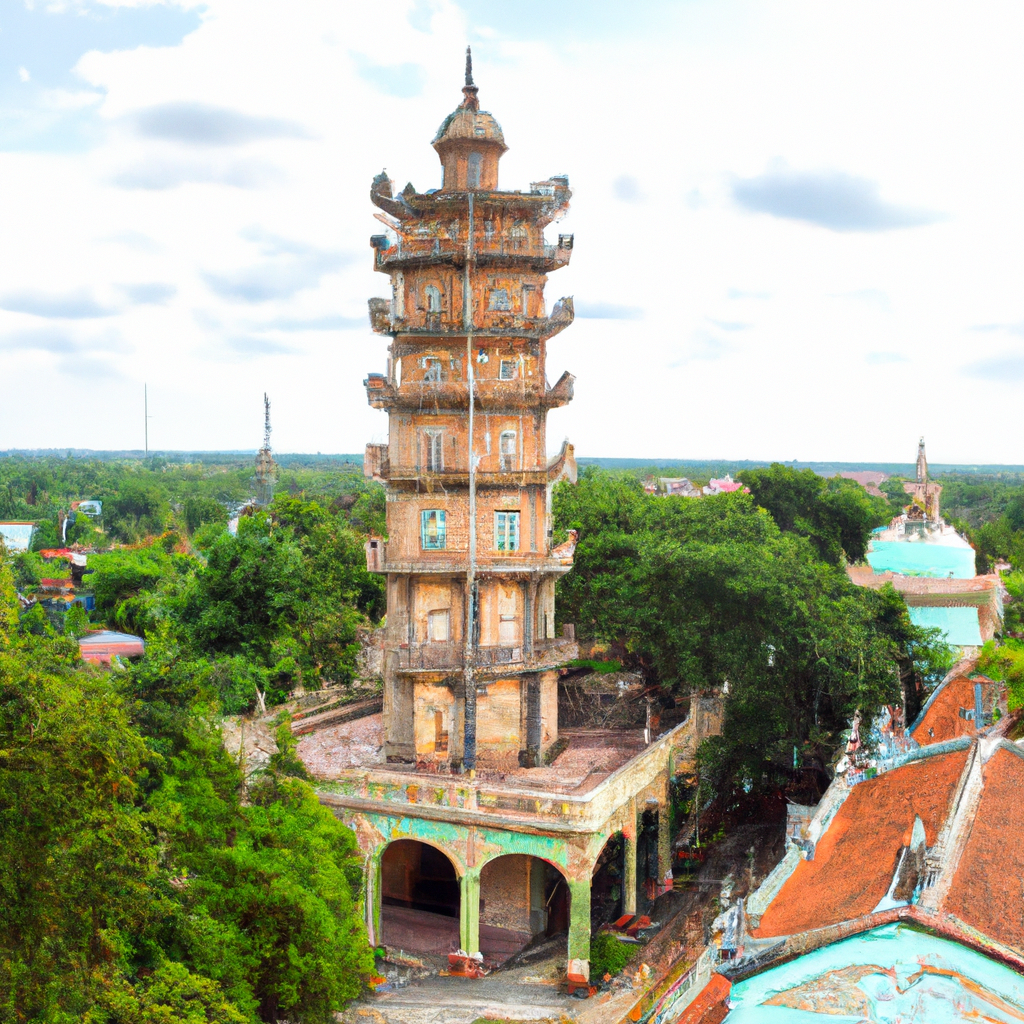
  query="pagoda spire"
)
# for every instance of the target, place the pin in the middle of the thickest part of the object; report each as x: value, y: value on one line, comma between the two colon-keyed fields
x: 469, y: 90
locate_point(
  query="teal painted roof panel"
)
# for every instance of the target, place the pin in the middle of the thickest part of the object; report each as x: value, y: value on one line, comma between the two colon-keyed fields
x: 920, y: 558
x: 892, y: 973
x: 959, y: 626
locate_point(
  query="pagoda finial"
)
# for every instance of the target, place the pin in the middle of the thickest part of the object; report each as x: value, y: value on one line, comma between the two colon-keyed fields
x: 470, y: 90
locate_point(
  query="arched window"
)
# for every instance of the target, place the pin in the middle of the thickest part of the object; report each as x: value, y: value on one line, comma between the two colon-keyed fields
x: 517, y: 237
x: 432, y: 299
x: 507, y: 450
x: 473, y: 170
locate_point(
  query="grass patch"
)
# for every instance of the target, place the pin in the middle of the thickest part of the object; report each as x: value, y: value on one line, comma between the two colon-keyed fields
x: 602, y: 667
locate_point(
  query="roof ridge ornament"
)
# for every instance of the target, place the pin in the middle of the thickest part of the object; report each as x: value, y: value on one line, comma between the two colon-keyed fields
x: 470, y: 90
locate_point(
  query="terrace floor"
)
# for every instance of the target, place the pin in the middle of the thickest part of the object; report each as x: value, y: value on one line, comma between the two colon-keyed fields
x: 590, y: 756
x: 419, y: 931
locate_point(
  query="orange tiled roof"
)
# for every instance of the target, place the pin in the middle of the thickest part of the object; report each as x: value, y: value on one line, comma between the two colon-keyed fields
x: 986, y: 891
x: 855, y: 859
x: 941, y: 719
x: 711, y: 1005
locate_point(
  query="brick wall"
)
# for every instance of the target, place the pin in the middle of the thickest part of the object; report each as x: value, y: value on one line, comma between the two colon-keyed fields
x: 505, y: 893
x: 497, y: 721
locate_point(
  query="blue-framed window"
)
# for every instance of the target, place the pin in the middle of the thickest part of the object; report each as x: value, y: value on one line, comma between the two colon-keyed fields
x: 506, y: 531
x: 432, y: 529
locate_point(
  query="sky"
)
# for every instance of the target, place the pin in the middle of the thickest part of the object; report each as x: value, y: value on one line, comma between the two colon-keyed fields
x: 799, y: 227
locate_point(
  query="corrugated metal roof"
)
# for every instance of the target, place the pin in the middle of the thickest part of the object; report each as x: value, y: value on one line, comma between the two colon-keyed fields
x: 109, y: 636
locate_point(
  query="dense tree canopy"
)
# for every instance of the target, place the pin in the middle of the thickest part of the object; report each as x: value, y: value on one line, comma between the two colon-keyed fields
x: 144, y: 879
x: 835, y: 514
x: 708, y: 592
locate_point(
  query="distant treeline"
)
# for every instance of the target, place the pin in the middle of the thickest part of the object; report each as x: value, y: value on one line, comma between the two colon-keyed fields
x: 707, y: 468
x: 157, y: 459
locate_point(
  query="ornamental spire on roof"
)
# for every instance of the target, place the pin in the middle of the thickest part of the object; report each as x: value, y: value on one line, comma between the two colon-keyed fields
x: 470, y: 90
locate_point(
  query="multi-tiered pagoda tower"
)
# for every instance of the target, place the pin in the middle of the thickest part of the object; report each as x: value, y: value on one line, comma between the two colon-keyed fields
x: 470, y: 651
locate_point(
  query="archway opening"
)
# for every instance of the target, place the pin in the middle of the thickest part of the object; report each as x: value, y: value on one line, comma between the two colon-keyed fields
x: 647, y: 877
x: 419, y: 898
x: 523, y: 900
x: 606, y: 883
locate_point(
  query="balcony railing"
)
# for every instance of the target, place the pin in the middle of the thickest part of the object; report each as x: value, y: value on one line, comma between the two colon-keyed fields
x: 450, y: 655
x: 433, y: 247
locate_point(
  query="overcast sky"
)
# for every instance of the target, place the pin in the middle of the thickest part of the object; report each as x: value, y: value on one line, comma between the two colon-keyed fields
x: 799, y: 225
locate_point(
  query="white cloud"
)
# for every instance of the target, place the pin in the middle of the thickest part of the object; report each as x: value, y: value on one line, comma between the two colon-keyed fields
x: 23, y: 74
x: 762, y: 327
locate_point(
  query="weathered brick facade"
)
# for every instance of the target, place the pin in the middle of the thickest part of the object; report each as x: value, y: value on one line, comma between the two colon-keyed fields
x: 471, y: 571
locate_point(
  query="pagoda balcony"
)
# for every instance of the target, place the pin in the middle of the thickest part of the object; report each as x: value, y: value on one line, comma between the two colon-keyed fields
x: 452, y: 562
x: 449, y: 656
x: 445, y: 324
x: 424, y: 250
x: 447, y: 393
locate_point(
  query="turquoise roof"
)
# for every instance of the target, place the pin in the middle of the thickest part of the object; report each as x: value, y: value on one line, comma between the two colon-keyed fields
x: 892, y: 973
x: 920, y: 558
x: 959, y: 625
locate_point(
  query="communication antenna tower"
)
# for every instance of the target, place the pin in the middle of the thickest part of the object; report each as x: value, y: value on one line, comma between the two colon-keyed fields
x: 266, y: 468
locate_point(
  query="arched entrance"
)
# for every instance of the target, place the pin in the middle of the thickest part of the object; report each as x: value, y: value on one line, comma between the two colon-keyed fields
x: 521, y: 898
x: 606, y: 883
x: 419, y: 898
x: 647, y: 874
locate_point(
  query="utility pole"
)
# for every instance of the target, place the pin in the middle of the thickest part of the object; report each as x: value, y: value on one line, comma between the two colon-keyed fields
x: 469, y: 708
x: 145, y: 413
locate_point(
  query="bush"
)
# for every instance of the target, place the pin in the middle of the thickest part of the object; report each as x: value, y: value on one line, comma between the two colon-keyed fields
x: 607, y: 955
x: 198, y: 511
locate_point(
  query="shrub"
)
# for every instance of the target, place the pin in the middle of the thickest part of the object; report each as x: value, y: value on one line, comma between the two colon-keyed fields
x: 608, y: 955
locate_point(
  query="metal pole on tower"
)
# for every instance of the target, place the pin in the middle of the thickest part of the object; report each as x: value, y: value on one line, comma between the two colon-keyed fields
x: 145, y: 413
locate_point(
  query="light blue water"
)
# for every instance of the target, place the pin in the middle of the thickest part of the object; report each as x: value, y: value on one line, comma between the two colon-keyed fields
x: 919, y: 558
x: 959, y: 625
x: 907, y: 976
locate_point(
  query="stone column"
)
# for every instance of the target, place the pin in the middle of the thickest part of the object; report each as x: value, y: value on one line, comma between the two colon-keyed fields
x: 372, y: 897
x: 579, y: 921
x: 664, y: 849
x: 629, y: 861
x: 469, y: 911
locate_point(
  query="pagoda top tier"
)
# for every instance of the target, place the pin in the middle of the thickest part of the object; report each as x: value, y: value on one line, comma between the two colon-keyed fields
x: 470, y: 143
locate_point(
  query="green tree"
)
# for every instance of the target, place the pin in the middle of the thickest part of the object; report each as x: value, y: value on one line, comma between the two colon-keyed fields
x: 836, y: 515
x: 76, y: 621
x: 78, y: 854
x: 711, y: 592
x: 135, y: 510
x: 198, y: 511
x: 45, y: 536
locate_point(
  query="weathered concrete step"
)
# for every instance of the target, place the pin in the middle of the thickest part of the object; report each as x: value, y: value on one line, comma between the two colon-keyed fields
x: 337, y: 715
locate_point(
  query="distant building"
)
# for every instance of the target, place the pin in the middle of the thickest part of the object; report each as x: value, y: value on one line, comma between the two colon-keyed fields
x: 104, y: 645
x: 17, y: 536
x: 924, y: 494
x: 724, y: 486
x: 678, y: 485
x: 88, y: 508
